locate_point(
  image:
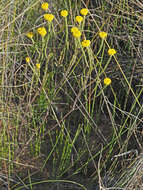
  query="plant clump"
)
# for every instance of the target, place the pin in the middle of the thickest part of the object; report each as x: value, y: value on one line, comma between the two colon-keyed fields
x: 71, y: 104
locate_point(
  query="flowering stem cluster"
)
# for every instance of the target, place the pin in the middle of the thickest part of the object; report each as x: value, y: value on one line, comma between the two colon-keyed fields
x: 79, y: 36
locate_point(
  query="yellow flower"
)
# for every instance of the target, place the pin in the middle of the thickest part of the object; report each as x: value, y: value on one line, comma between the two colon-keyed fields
x: 79, y: 19
x: 112, y: 52
x: 64, y: 13
x: 76, y: 34
x: 45, y: 6
x: 38, y: 65
x: 49, y: 17
x: 74, y: 29
x: 107, y: 81
x: 27, y: 59
x: 30, y: 35
x: 84, y: 11
x: 103, y: 35
x: 85, y: 43
x: 42, y: 31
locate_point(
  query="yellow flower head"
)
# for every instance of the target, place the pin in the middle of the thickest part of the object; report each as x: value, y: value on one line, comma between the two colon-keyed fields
x: 76, y: 34
x: 85, y: 43
x: 30, y: 35
x: 45, y: 6
x: 79, y: 19
x: 64, y: 13
x: 74, y: 29
x: 49, y: 17
x: 42, y: 31
x: 84, y: 11
x: 27, y: 59
x: 38, y: 65
x: 112, y: 52
x: 107, y: 81
x: 103, y: 35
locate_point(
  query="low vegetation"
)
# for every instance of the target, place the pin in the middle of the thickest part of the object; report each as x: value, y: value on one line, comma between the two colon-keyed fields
x: 71, y: 94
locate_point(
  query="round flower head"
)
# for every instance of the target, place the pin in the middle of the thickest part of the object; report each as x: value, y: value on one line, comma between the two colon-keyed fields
x: 107, y: 81
x: 30, y: 35
x: 79, y: 19
x: 42, y: 31
x: 112, y: 52
x: 103, y: 35
x: 27, y: 59
x: 84, y: 11
x: 85, y: 43
x: 49, y: 17
x: 45, y: 6
x: 37, y: 65
x: 76, y: 34
x: 74, y: 29
x: 64, y: 13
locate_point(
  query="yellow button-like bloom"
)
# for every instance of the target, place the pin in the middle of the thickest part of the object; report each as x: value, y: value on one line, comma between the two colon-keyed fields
x: 76, y: 34
x: 74, y: 29
x: 64, y: 13
x: 27, y: 59
x: 79, y: 19
x: 84, y: 11
x: 42, y: 31
x: 85, y: 43
x: 45, y: 6
x: 112, y: 52
x: 30, y: 35
x: 38, y: 65
x: 49, y: 17
x: 107, y: 81
x: 103, y: 35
